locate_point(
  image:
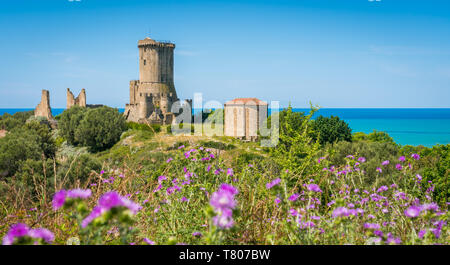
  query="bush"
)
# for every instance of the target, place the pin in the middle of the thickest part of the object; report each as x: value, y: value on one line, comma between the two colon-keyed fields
x: 296, y: 150
x: 217, y: 145
x: 374, y: 152
x: 78, y: 168
x: 10, y: 122
x: 96, y: 128
x: 100, y: 128
x: 380, y: 137
x: 144, y: 127
x: 69, y: 122
x: 45, y: 138
x: 331, y: 130
x: 17, y: 146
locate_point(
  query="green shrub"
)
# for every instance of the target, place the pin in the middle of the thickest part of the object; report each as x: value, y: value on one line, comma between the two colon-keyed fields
x: 69, y: 122
x: 217, y: 145
x: 17, y: 146
x: 374, y: 152
x: 144, y: 127
x: 296, y: 149
x: 78, y: 168
x: 331, y: 130
x: 375, y: 136
x: 10, y: 122
x: 45, y: 137
x: 100, y: 128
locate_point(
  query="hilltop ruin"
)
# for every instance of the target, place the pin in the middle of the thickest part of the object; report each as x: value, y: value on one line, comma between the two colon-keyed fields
x: 152, y: 96
x: 43, y: 109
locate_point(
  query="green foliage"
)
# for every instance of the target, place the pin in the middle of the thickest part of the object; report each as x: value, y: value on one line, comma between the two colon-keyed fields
x: 78, y: 168
x: 45, y: 137
x: 69, y: 122
x: 97, y: 128
x: 374, y: 152
x: 217, y: 145
x: 181, y: 126
x: 155, y: 128
x: 375, y: 136
x: 9, y: 122
x: 296, y: 149
x: 37, y: 178
x: 100, y: 128
x: 17, y: 146
x: 434, y: 166
x: 331, y: 130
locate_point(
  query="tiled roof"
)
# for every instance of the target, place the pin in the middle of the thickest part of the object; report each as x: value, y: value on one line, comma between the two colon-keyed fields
x: 246, y: 101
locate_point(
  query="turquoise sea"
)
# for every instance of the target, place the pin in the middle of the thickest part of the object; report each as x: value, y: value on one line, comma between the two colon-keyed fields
x: 407, y: 126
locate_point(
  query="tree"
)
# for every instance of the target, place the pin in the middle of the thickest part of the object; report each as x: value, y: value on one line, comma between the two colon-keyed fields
x: 100, y: 128
x: 69, y: 122
x: 45, y: 138
x: 375, y: 136
x: 331, y: 130
x: 17, y: 146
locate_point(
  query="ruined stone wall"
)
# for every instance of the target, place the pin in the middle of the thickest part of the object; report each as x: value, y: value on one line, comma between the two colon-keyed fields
x: 131, y: 112
x: 78, y: 101
x: 43, y: 109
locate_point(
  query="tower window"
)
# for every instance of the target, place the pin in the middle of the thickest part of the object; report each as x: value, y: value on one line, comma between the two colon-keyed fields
x: 145, y: 62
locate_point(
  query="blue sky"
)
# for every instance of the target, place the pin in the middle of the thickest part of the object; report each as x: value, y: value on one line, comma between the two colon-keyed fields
x: 335, y: 53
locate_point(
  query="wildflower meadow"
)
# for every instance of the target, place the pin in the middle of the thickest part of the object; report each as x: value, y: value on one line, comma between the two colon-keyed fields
x: 196, y: 199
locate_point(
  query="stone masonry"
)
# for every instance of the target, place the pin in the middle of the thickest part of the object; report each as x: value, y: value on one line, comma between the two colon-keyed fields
x: 152, y: 96
x: 43, y: 109
x: 78, y: 101
x: 243, y: 117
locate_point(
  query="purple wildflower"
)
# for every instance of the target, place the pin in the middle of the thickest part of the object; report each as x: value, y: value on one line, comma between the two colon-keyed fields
x: 294, y: 197
x: 58, y: 199
x: 385, y: 163
x: 340, y: 212
x: 273, y: 183
x: 422, y: 233
x: 371, y: 226
x: 382, y: 188
x: 416, y: 156
x: 362, y: 159
x: 413, y: 211
x: 402, y: 158
x: 43, y: 234
x: 148, y: 241
x: 79, y: 193
x: 314, y: 187
x: 197, y: 234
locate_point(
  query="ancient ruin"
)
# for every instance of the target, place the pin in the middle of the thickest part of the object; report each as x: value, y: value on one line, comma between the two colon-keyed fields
x: 44, y: 109
x: 152, y: 96
x: 243, y: 117
x: 78, y: 101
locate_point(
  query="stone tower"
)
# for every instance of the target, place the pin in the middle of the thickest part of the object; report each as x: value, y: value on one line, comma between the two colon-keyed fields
x: 79, y: 101
x: 43, y: 108
x: 152, y: 96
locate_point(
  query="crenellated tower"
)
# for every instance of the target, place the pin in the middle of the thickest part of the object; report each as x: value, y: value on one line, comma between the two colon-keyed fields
x: 152, y: 96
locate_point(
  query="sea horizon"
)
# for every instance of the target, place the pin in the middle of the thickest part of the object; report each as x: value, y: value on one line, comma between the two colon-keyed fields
x: 407, y: 126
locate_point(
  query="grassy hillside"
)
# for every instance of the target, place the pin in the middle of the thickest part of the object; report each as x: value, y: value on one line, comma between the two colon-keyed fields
x: 152, y: 187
